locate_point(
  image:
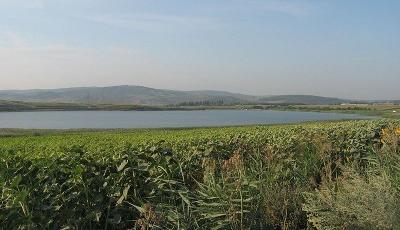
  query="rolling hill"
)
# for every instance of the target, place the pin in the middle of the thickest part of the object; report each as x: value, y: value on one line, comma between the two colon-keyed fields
x: 139, y: 95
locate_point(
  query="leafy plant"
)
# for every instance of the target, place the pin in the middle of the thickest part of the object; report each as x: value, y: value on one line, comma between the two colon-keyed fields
x: 227, y: 178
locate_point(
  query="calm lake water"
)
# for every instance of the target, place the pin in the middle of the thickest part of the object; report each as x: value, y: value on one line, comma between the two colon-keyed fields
x: 158, y: 119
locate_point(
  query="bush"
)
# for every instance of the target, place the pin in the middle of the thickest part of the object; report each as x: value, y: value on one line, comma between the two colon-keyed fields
x: 365, y: 196
x: 354, y: 202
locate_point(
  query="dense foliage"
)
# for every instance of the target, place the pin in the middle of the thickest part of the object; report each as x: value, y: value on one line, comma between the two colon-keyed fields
x: 333, y: 175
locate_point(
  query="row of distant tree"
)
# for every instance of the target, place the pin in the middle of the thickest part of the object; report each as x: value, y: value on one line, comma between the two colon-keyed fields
x: 203, y: 102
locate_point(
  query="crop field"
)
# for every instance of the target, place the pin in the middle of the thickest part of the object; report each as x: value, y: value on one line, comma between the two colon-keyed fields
x: 325, y: 175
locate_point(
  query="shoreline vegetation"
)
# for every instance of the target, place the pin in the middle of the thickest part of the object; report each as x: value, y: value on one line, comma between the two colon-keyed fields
x: 316, y: 175
x: 384, y: 110
x: 20, y: 132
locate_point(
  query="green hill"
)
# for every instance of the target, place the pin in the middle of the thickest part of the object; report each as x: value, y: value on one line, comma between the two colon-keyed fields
x: 139, y: 95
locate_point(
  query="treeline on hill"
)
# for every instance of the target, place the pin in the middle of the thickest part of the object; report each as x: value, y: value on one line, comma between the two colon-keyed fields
x: 338, y: 175
x: 219, y: 101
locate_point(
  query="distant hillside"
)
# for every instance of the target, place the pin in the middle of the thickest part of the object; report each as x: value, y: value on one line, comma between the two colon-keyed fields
x: 120, y: 95
x: 301, y: 99
x: 139, y: 95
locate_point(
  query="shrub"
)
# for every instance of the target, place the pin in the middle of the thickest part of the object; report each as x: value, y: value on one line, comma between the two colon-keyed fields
x: 354, y: 202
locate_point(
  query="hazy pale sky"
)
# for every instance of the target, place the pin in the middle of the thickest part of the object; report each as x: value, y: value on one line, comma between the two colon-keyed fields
x: 341, y: 48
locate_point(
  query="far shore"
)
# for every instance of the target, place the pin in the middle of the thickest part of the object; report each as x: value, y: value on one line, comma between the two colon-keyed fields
x: 379, y: 110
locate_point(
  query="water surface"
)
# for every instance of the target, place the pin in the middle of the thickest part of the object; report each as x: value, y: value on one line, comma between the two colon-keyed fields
x: 158, y: 119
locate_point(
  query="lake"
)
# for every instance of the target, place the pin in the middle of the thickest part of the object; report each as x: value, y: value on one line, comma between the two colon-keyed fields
x: 158, y: 119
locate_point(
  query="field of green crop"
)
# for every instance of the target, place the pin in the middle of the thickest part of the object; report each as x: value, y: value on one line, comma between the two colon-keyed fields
x: 328, y: 175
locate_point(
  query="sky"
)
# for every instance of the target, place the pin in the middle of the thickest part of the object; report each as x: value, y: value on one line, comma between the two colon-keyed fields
x: 339, y: 48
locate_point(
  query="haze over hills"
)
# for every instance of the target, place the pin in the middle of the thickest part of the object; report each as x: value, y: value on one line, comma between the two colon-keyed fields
x: 140, y: 95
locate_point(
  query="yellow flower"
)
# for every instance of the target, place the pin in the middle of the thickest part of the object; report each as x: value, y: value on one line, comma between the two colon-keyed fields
x: 385, y: 132
x: 397, y: 131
